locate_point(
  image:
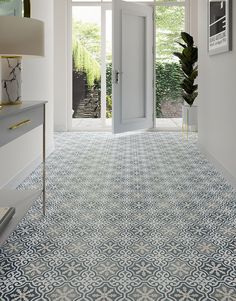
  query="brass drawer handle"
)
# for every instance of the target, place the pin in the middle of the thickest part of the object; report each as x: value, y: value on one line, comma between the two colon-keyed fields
x: 19, y: 124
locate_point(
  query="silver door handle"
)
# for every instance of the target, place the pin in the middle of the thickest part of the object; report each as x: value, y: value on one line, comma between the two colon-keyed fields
x: 116, y: 77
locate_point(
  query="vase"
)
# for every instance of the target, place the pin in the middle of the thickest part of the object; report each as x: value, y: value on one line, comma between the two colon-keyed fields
x: 190, y: 117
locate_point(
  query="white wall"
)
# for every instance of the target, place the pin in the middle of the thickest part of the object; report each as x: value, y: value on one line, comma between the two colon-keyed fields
x: 19, y: 157
x: 60, y: 65
x: 217, y: 100
x: 193, y: 16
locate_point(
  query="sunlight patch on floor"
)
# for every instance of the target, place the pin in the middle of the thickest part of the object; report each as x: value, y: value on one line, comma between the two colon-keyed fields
x: 100, y: 125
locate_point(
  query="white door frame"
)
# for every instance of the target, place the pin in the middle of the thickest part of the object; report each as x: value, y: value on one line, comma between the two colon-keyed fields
x: 108, y: 6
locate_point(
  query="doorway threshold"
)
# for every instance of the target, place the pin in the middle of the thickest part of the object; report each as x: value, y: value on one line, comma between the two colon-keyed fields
x: 169, y: 124
x: 91, y: 125
x: 99, y: 125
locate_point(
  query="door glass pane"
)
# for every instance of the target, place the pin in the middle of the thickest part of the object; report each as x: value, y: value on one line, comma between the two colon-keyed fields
x: 108, y: 63
x: 86, y: 36
x: 170, y: 22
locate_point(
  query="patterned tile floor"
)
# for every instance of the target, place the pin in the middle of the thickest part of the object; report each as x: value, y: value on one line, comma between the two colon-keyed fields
x: 141, y: 217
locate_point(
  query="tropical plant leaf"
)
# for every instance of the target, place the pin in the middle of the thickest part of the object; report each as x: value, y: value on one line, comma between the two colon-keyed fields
x: 178, y: 54
x: 188, y: 81
x: 187, y: 88
x: 195, y: 95
x: 187, y: 39
x: 182, y: 45
x: 194, y: 57
x: 194, y: 75
x: 189, y: 98
x: 188, y: 52
x: 188, y: 59
x: 187, y: 69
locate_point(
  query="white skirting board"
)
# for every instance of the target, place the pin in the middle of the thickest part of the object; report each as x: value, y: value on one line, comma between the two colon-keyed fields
x: 25, y: 172
x: 226, y: 174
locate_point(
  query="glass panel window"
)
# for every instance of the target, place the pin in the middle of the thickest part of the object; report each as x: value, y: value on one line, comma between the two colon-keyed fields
x: 86, y: 36
x: 170, y: 22
x: 108, y: 63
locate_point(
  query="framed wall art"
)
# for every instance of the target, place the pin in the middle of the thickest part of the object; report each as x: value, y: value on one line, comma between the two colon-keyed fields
x: 219, y: 26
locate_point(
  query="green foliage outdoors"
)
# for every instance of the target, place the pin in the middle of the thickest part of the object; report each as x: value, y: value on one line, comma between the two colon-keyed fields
x: 109, y: 78
x: 170, y: 22
x: 84, y: 62
x: 168, y: 78
x: 89, y: 35
x: 86, y: 47
x: 188, y: 59
x: 109, y: 106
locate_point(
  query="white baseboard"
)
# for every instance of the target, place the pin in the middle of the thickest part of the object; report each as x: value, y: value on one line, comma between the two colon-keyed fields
x: 25, y: 172
x: 226, y: 174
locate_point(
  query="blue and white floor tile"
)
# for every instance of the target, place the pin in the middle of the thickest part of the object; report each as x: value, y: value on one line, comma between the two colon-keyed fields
x: 141, y: 217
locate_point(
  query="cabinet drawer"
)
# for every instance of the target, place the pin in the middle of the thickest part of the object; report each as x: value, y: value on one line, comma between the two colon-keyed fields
x: 14, y: 126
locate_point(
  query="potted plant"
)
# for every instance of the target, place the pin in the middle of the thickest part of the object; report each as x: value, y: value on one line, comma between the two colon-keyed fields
x: 188, y: 59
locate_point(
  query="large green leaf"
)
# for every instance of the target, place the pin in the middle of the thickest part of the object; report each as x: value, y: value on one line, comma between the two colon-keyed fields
x: 194, y: 75
x: 179, y: 55
x: 188, y: 81
x: 188, y: 53
x: 187, y: 68
x: 182, y: 45
x: 187, y: 39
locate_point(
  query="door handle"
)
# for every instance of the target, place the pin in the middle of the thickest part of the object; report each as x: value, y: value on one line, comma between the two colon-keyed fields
x: 117, y: 77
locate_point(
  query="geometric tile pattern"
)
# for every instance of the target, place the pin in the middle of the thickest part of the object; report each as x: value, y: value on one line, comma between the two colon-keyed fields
x: 132, y: 217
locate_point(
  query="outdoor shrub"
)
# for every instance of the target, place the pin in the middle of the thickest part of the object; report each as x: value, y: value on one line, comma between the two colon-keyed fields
x: 84, y: 62
x: 109, y: 106
x: 109, y: 78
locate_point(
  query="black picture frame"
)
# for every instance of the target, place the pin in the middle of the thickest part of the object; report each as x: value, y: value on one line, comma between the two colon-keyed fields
x: 219, y: 26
